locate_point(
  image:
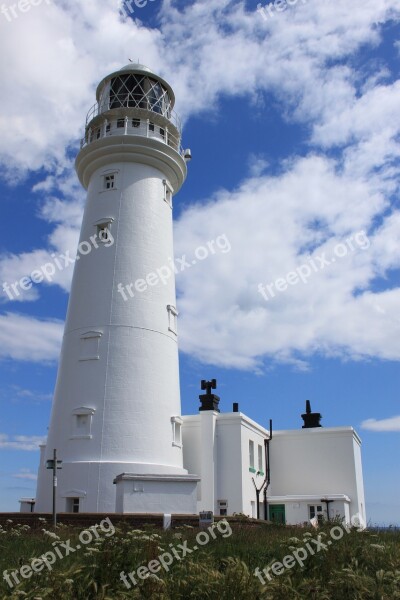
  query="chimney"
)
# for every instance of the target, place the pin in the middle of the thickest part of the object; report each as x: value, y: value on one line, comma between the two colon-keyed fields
x: 311, y: 419
x: 235, y: 407
x: 209, y: 401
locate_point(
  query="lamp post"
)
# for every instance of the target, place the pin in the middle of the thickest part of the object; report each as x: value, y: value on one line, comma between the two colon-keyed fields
x: 54, y: 464
x: 327, y: 502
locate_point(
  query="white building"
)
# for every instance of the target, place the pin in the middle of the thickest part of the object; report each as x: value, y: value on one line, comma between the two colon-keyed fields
x: 116, y: 417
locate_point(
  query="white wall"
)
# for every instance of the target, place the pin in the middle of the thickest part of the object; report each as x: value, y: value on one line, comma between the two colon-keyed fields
x: 155, y: 495
x: 220, y: 455
x: 317, y: 461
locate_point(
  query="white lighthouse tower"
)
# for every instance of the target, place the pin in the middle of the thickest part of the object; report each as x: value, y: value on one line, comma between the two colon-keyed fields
x: 116, y: 410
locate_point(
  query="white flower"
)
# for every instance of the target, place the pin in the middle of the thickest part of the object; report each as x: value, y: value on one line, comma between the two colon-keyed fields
x: 51, y: 534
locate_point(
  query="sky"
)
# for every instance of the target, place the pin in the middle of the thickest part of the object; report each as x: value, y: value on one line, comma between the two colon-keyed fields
x: 292, y: 114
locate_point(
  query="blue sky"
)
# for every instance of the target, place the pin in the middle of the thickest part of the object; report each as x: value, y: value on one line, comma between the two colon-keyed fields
x: 293, y: 122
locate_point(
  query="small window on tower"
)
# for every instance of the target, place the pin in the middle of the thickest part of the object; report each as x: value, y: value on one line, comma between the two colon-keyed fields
x: 90, y: 342
x: 82, y: 423
x: 109, y: 181
x: 103, y: 229
x: 120, y: 123
x: 151, y: 126
x: 135, y: 122
x: 162, y: 132
x: 177, y: 431
x: 168, y: 191
x: 172, y: 319
x: 103, y: 232
x: 73, y: 505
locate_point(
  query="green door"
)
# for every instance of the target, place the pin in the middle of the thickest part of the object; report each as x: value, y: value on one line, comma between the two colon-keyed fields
x: 277, y: 513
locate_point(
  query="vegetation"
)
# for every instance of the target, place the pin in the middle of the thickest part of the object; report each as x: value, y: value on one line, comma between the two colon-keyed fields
x: 361, y: 565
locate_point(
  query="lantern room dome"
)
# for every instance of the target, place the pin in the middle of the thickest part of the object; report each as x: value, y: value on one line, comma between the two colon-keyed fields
x: 136, y: 69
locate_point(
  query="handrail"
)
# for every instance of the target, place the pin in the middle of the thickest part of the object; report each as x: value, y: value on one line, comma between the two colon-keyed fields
x: 171, y: 115
x: 134, y: 127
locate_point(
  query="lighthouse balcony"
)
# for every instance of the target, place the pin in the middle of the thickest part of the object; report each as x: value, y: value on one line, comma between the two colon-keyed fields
x: 135, y: 124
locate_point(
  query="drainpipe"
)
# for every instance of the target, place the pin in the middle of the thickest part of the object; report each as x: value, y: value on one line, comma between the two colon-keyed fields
x: 267, y: 478
x: 267, y: 470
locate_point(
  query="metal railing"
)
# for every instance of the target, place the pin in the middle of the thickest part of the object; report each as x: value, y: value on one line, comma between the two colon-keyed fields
x: 169, y: 114
x: 132, y: 126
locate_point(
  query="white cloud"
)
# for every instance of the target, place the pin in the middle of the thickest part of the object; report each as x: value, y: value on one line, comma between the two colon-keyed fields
x: 274, y: 225
x: 21, y: 442
x: 392, y: 424
x: 29, y: 339
x: 303, y: 58
x: 25, y: 474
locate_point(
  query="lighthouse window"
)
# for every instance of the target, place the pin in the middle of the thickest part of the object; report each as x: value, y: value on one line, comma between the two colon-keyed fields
x: 176, y: 431
x: 120, y: 123
x: 151, y: 126
x: 162, y: 132
x: 82, y: 422
x: 109, y: 181
x: 135, y: 122
x: 172, y: 319
x: 103, y: 232
x: 90, y: 342
x: 167, y: 193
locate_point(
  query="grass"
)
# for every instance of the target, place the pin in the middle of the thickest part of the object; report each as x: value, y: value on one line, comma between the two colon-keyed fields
x: 361, y: 565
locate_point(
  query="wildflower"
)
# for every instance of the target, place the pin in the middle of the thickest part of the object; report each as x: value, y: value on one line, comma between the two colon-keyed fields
x: 51, y: 534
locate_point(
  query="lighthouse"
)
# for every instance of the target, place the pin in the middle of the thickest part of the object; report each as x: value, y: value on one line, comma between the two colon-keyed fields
x: 116, y: 413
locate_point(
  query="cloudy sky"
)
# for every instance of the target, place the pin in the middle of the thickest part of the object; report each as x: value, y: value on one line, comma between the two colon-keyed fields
x: 293, y: 119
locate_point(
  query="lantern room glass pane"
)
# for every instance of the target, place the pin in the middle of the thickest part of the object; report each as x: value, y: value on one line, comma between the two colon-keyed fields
x: 138, y: 91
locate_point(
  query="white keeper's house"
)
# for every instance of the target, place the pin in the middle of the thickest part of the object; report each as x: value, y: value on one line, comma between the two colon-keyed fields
x: 116, y: 418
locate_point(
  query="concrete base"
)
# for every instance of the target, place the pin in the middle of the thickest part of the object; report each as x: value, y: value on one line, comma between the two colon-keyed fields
x: 156, y: 493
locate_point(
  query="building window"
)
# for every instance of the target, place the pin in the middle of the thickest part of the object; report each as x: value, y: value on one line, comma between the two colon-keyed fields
x: 108, y: 128
x: 82, y: 422
x: 151, y: 126
x: 172, y: 319
x: 223, y: 507
x: 177, y: 431
x: 89, y: 345
x: 135, y: 122
x: 162, y: 132
x: 316, y: 511
x: 103, y: 232
x: 260, y: 461
x: 73, y: 505
x: 103, y: 229
x: 251, y: 456
x: 120, y: 123
x: 168, y: 191
x: 109, y: 182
